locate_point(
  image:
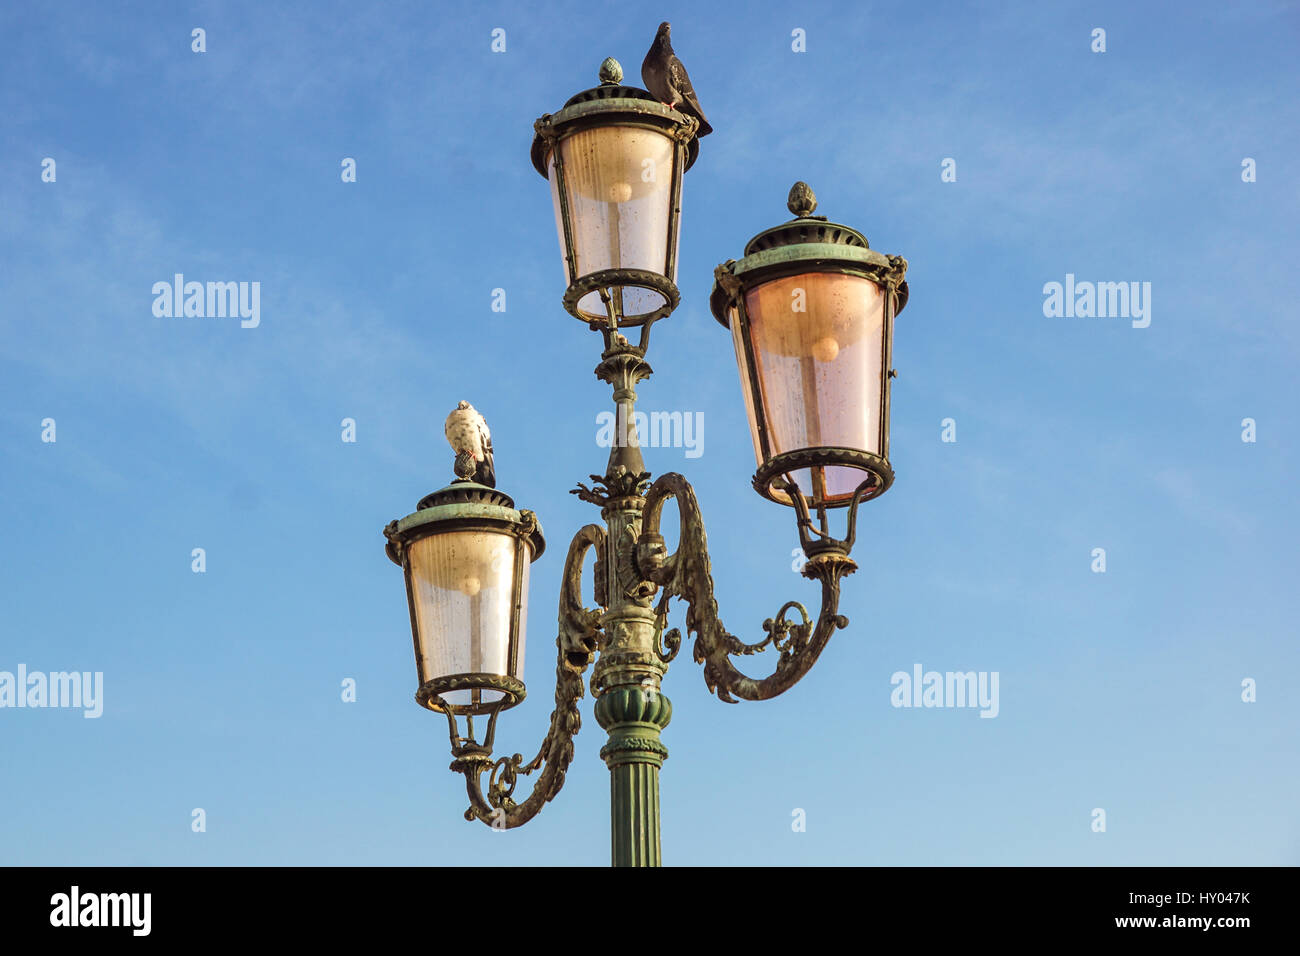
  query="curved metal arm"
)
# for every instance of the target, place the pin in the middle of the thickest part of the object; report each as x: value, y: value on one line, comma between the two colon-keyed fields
x: 686, y: 574
x: 578, y: 640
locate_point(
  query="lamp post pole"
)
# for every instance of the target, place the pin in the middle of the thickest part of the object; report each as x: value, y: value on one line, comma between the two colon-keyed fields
x: 631, y: 707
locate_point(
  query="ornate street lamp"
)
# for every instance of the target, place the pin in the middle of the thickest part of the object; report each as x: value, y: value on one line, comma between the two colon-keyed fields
x: 811, y: 310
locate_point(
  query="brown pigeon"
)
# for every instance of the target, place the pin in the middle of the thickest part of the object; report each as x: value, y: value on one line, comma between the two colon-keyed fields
x: 665, y: 77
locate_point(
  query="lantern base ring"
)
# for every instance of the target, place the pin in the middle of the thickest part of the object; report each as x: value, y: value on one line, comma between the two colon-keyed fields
x: 430, y: 693
x: 617, y: 279
x: 776, y: 467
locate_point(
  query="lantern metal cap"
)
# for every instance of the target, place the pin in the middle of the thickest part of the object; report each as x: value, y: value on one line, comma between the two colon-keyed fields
x: 805, y: 227
x: 465, y: 492
x: 610, y: 103
x: 611, y: 87
x: 463, y: 504
x: 806, y: 243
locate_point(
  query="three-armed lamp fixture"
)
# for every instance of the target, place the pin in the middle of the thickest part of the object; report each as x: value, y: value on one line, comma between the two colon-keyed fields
x: 811, y: 311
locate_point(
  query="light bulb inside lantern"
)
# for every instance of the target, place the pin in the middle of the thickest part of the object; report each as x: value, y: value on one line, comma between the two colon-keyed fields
x: 620, y: 192
x: 469, y: 586
x: 826, y: 349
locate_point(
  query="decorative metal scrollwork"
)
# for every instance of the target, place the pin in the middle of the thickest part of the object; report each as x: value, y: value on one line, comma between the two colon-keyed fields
x: 687, y: 574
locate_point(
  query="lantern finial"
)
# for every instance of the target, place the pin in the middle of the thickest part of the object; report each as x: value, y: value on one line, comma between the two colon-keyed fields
x: 802, y: 201
x: 611, y: 72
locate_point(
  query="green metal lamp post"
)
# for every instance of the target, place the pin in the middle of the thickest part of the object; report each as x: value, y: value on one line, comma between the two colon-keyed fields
x: 811, y: 310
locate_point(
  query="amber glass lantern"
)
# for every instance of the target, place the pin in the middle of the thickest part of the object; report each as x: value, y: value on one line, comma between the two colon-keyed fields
x: 465, y: 553
x: 811, y: 311
x: 614, y: 156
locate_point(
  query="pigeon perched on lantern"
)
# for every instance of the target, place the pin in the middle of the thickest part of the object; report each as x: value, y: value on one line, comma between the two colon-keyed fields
x: 468, y: 434
x: 665, y: 77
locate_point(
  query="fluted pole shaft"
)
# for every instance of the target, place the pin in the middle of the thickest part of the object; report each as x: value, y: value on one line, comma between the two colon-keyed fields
x: 634, y: 717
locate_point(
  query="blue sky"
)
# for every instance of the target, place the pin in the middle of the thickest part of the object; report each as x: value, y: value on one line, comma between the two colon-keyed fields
x: 1120, y: 691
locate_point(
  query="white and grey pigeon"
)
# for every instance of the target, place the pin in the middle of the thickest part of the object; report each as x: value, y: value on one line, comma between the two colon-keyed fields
x: 470, y: 439
x: 665, y: 77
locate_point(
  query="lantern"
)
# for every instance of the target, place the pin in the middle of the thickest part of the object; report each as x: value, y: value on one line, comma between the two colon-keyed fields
x: 614, y: 156
x: 465, y: 553
x: 811, y: 311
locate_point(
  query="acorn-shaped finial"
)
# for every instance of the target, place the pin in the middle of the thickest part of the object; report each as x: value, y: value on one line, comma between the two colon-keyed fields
x: 802, y: 201
x: 611, y: 72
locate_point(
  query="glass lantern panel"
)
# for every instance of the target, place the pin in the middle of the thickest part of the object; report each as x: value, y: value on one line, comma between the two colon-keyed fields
x: 746, y: 389
x: 461, y: 595
x: 618, y: 181
x: 817, y: 347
